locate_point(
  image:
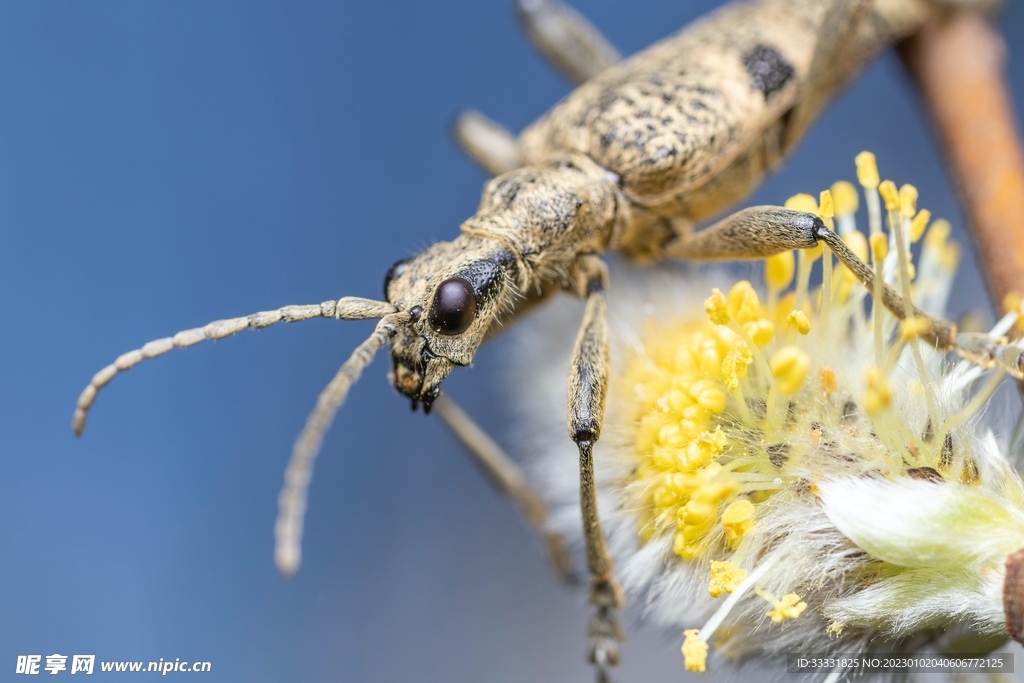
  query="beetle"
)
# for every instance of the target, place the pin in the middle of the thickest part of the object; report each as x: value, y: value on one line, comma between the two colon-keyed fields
x: 642, y: 151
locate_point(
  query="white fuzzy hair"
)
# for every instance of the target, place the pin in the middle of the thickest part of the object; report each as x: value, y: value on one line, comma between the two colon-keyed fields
x: 836, y: 544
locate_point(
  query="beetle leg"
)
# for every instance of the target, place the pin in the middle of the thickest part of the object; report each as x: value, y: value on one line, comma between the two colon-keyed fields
x: 588, y: 383
x: 508, y: 477
x: 762, y: 231
x: 753, y: 233
x: 566, y: 39
x: 486, y: 142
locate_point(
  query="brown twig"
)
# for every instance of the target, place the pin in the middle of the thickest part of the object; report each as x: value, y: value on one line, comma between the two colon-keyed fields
x: 958, y: 62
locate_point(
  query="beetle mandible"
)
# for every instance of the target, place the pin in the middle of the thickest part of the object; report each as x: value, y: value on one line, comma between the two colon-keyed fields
x: 641, y: 151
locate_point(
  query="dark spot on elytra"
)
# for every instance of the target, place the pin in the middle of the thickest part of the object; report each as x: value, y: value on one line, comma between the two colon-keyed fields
x: 768, y: 70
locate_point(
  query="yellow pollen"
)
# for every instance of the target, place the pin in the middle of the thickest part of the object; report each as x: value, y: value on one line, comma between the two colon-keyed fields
x: 695, y: 651
x: 798, y: 319
x: 734, y: 367
x: 760, y: 330
x: 919, y: 224
x: 879, y: 246
x: 779, y: 269
x: 845, y: 196
x: 717, y: 308
x: 802, y: 202
x: 789, y: 365
x: 911, y: 328
x: 743, y: 304
x: 890, y: 195
x: 725, y: 577
x: 867, y: 170
x: 908, y: 201
x: 937, y: 235
x: 708, y: 396
x: 737, y: 521
x: 789, y: 607
x: 878, y: 395
x: 826, y: 208
x: 828, y: 380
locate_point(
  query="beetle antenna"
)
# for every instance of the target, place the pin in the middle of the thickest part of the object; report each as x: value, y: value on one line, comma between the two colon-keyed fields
x: 292, y: 500
x: 346, y: 308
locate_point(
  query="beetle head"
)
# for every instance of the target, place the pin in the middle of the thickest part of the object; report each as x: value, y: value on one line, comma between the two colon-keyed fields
x: 453, y: 292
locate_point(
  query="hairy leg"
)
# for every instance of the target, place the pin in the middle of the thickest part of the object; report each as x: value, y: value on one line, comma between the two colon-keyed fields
x: 588, y: 384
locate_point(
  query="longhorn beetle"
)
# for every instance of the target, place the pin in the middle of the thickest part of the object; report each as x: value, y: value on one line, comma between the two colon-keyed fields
x: 638, y: 153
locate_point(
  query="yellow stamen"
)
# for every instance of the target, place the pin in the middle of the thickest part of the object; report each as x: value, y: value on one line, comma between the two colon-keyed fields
x: 789, y: 366
x: 879, y: 246
x: 743, y: 304
x: 919, y: 224
x: 778, y: 270
x: 789, y: 607
x: 890, y: 195
x: 845, y: 196
x: 695, y: 651
x: 908, y: 201
x: 867, y: 170
x: 799, y: 320
x: 826, y: 206
x: 878, y: 395
x: 725, y: 577
x: 760, y: 330
x: 802, y: 202
x: 912, y: 328
x: 717, y: 308
x: 737, y: 521
x: 734, y: 367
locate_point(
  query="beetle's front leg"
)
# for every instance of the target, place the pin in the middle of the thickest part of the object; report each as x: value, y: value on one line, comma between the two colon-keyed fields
x: 588, y: 384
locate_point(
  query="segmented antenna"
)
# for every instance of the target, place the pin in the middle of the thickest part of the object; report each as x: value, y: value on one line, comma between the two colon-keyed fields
x: 292, y: 500
x: 346, y: 308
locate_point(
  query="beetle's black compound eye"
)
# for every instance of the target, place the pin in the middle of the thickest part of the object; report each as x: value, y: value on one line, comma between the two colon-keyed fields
x: 394, y: 271
x: 454, y: 307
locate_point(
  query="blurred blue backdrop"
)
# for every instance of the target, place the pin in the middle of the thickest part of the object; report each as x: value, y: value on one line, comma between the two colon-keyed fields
x: 167, y: 164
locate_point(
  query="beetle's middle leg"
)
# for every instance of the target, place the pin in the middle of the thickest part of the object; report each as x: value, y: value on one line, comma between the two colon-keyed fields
x: 588, y: 383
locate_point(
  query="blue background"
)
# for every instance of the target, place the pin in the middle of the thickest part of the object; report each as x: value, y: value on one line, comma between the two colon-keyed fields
x: 167, y: 164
